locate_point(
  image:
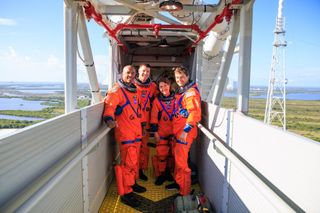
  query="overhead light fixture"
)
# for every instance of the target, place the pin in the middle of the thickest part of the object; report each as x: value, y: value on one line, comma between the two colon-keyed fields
x: 164, y: 43
x: 143, y: 44
x: 170, y: 5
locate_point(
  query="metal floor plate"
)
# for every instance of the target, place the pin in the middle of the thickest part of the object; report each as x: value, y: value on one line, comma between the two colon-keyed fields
x: 155, y: 199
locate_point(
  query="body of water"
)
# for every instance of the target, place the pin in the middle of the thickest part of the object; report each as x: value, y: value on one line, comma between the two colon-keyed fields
x: 40, y: 91
x: 289, y: 96
x: 20, y: 104
x: 20, y: 118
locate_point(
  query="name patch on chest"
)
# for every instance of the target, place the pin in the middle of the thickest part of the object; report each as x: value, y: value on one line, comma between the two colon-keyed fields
x: 135, y: 101
x: 144, y: 93
x: 168, y: 104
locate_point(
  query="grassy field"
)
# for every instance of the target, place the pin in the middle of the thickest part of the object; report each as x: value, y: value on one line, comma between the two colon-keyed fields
x: 303, y: 117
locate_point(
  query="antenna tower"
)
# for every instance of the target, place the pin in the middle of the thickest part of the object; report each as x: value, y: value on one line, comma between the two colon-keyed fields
x: 276, y: 98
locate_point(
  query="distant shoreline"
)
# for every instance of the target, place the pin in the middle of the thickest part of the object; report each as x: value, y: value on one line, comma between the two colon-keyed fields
x: 62, y: 83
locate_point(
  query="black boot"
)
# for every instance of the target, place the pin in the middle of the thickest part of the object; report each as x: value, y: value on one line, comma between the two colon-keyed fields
x: 142, y: 176
x: 169, y: 176
x: 173, y: 186
x: 130, y: 200
x: 137, y: 188
x: 160, y: 180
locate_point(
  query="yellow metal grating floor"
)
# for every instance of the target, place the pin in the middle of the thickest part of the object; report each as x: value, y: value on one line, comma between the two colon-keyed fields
x: 154, y: 194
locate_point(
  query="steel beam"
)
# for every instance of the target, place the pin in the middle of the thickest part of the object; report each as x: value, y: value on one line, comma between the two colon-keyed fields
x: 88, y: 59
x: 216, y: 92
x: 114, y: 10
x: 133, y: 5
x: 70, y: 34
x: 244, y: 59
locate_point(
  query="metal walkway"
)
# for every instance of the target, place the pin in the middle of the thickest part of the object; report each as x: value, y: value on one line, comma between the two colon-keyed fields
x: 155, y: 199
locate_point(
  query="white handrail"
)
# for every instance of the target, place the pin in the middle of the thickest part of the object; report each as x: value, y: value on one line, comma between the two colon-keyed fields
x: 273, y: 193
x: 35, y: 198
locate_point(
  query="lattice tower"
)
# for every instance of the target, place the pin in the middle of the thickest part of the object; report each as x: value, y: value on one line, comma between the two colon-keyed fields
x: 276, y: 98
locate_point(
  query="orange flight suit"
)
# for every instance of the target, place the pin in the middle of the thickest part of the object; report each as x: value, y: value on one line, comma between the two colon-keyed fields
x: 147, y: 91
x: 187, y: 115
x: 161, y: 122
x: 122, y: 104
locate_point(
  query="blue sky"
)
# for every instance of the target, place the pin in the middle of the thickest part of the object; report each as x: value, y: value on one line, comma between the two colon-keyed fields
x: 31, y: 42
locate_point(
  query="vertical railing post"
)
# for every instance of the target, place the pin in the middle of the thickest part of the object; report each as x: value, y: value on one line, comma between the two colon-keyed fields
x: 227, y: 165
x: 84, y: 161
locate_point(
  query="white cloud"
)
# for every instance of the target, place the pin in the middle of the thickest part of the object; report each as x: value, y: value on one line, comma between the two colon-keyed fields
x: 7, y: 22
x: 12, y: 51
x: 52, y: 60
x: 15, y: 67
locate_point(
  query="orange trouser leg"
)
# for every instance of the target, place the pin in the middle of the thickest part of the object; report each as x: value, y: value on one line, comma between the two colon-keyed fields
x: 129, y: 164
x: 160, y: 159
x: 119, y: 179
x: 170, y: 158
x: 138, y: 147
x: 182, y: 171
x: 144, y: 152
x: 162, y: 151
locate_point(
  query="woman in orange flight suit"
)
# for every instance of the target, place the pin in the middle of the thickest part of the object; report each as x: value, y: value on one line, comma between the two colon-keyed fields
x: 161, y: 125
x: 147, y: 90
x: 122, y: 111
x: 187, y: 115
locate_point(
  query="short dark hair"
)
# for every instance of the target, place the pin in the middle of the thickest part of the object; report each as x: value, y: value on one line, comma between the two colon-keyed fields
x: 181, y: 69
x: 146, y: 65
x: 164, y: 80
x: 128, y: 67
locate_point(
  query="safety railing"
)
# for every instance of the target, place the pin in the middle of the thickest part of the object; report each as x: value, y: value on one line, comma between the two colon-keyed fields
x: 274, y: 195
x: 29, y: 204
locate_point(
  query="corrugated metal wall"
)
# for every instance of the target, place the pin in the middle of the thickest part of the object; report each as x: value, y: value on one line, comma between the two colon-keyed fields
x: 35, y: 155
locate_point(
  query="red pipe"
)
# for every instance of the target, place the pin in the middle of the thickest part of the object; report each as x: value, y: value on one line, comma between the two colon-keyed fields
x: 92, y: 13
x: 156, y: 27
x: 226, y: 13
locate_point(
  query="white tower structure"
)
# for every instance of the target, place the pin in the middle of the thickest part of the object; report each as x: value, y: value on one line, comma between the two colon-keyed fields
x: 276, y: 98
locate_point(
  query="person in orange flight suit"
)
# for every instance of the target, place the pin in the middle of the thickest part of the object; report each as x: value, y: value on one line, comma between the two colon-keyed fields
x: 147, y: 89
x: 186, y: 116
x: 122, y: 111
x: 161, y: 125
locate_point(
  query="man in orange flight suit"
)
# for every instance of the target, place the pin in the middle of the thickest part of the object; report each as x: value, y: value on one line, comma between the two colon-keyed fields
x: 147, y: 90
x: 122, y: 112
x: 187, y: 115
x: 161, y: 125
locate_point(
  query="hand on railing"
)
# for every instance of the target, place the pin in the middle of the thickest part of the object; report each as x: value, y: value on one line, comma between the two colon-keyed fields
x: 112, y: 124
x: 144, y: 131
x: 157, y: 137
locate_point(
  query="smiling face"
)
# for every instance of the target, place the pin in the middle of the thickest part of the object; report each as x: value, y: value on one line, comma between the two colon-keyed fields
x: 144, y: 73
x: 181, y: 78
x: 164, y: 88
x: 128, y: 74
